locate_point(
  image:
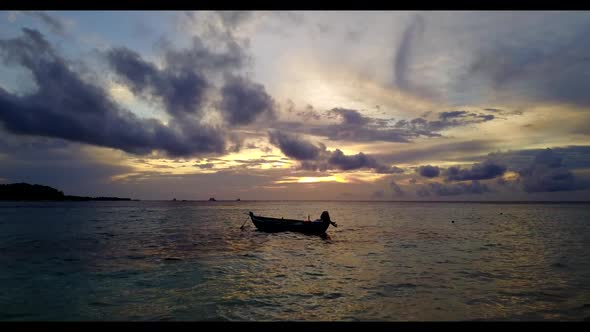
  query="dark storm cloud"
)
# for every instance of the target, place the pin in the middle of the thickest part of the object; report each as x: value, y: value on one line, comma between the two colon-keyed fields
x: 139, y: 74
x: 182, y: 83
x: 353, y: 126
x: 181, y: 91
x: 360, y: 160
x: 548, y: 158
x: 439, y: 189
x: 243, y: 101
x: 200, y: 58
x: 65, y: 106
x: 293, y: 146
x: 337, y: 160
x: 453, y: 114
x: 319, y: 159
x: 544, y: 170
x: 344, y: 162
x: 54, y: 23
x: 547, y: 174
x: 573, y: 157
x: 483, y: 171
x: 350, y: 117
x: 428, y: 171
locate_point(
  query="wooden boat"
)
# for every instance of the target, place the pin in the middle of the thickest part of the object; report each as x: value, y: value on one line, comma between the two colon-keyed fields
x: 318, y: 226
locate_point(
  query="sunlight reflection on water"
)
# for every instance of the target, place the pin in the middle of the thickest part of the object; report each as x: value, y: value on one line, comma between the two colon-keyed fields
x: 385, y: 261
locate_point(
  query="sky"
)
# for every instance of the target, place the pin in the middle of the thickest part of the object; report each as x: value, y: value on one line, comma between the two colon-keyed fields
x: 351, y: 105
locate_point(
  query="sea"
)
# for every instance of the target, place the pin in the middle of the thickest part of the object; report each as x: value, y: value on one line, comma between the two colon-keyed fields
x: 386, y: 261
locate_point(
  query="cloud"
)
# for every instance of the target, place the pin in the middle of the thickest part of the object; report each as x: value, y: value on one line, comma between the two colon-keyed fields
x: 232, y: 19
x: 65, y: 106
x: 337, y: 160
x: 54, y: 23
x: 359, y: 134
x: 306, y: 115
x: 205, y: 166
x: 350, y: 117
x: 423, y: 127
x: 550, y: 66
x: 502, y: 112
x: 445, y: 116
x: 453, y: 114
x: 294, y: 147
x: 482, y: 171
x: 440, y: 189
x: 182, y: 83
x: 378, y: 194
x: 181, y: 91
x: 318, y: 158
x: 573, y: 157
x: 343, y: 162
x: 396, y: 190
x: 243, y: 101
x: 201, y: 58
x: 422, y: 191
x: 57, y: 163
x: 428, y: 171
x: 545, y: 170
x: 184, y: 78
x: 444, y: 151
x: 353, y: 126
x: 547, y: 174
x: 404, y: 53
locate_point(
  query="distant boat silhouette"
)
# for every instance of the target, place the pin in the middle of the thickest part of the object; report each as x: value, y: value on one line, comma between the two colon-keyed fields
x: 212, y: 199
x: 174, y: 199
x: 237, y: 200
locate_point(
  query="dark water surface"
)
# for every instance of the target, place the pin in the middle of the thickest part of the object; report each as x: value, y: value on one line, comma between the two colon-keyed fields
x: 385, y: 261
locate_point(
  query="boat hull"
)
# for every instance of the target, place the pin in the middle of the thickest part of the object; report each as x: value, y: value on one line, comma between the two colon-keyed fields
x: 273, y: 225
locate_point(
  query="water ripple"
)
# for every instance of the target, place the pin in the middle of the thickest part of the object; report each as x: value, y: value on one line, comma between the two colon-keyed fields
x: 191, y: 261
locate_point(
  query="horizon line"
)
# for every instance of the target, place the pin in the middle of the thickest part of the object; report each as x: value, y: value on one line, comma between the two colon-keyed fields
x: 368, y: 201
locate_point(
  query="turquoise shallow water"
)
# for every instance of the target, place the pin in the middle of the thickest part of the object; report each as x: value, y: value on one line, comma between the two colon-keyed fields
x: 385, y: 261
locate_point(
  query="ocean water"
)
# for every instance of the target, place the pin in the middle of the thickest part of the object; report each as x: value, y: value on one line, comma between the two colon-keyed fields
x: 386, y: 261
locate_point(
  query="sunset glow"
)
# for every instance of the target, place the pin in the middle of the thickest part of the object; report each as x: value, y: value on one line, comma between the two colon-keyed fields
x: 372, y: 105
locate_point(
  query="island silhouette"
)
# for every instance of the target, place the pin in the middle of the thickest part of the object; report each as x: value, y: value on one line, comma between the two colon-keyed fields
x: 37, y: 192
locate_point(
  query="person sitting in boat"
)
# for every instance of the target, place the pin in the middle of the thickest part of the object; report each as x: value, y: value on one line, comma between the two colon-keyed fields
x: 325, y: 217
